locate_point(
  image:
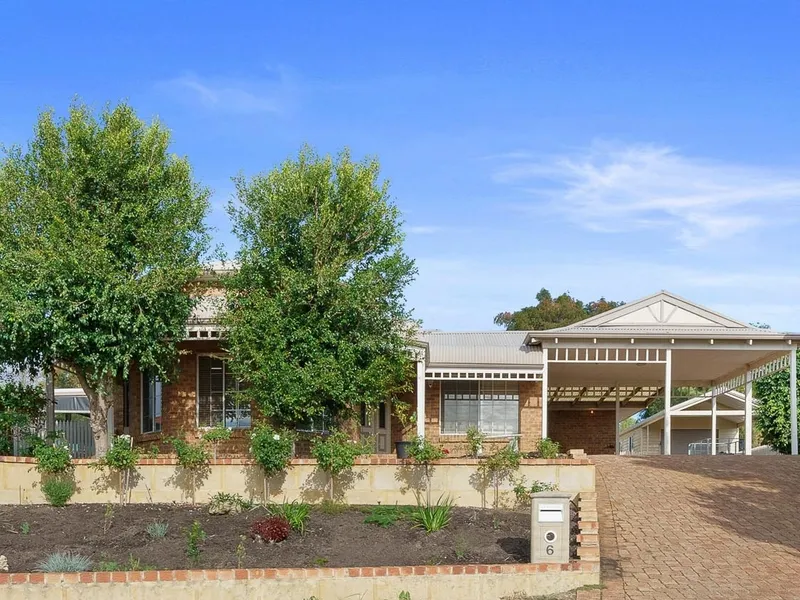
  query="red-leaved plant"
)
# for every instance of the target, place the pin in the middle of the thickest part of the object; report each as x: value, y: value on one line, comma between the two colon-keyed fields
x: 271, y: 529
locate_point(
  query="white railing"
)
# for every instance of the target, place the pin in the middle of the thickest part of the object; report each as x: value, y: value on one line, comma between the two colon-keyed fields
x: 724, y: 446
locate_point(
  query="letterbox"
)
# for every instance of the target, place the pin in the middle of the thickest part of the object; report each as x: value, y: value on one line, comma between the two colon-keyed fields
x: 550, y: 525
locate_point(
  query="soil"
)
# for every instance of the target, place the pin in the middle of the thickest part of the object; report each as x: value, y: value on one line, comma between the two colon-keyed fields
x: 330, y: 540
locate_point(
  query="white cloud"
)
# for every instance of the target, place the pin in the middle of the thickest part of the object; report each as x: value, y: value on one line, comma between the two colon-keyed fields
x: 424, y: 229
x: 623, y: 188
x: 242, y: 96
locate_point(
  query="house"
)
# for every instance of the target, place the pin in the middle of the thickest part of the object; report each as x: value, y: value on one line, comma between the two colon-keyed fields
x: 573, y: 384
x: 692, y: 423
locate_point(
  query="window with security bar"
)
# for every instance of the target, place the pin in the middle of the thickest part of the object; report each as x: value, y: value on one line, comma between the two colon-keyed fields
x: 491, y: 406
x: 218, y: 398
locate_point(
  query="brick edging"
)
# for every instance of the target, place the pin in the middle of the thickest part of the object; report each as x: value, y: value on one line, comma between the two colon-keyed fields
x: 323, y: 573
x: 588, y: 525
x: 374, y: 460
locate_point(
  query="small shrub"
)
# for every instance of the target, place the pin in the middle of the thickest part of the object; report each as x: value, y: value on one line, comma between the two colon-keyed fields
x: 498, y: 467
x: 271, y: 529
x: 404, y: 596
x: 57, y: 491
x: 195, y: 536
x: 123, y: 458
x: 157, y: 531
x: 108, y: 518
x: 386, y: 516
x: 320, y: 561
x: 52, y: 459
x: 424, y: 453
x: 434, y: 517
x: 193, y: 458
x: 272, y: 450
x: 132, y: 564
x: 336, y: 453
x: 329, y: 507
x: 241, y: 552
x: 223, y: 503
x: 462, y: 549
x: 296, y: 514
x: 523, y: 492
x: 475, y: 440
x: 548, y: 448
x: 64, y: 562
x: 216, y: 435
x: 25, y: 528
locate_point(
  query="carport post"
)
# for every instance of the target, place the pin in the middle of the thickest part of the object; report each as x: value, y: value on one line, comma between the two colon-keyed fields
x: 616, y: 418
x: 714, y: 425
x: 421, y: 396
x: 748, y: 413
x: 793, y: 397
x: 667, y: 404
x: 545, y: 383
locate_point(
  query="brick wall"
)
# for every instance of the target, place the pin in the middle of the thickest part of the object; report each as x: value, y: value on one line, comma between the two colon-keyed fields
x: 530, y: 420
x: 593, y: 431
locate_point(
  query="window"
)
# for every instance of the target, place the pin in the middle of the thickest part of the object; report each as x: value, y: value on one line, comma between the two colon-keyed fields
x: 218, y: 399
x: 491, y: 406
x: 317, y: 424
x: 151, y: 403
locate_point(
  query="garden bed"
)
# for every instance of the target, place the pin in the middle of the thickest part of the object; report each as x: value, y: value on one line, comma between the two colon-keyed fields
x: 333, y: 538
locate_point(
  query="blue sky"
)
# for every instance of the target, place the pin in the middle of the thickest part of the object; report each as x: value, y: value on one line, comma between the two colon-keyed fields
x: 594, y: 147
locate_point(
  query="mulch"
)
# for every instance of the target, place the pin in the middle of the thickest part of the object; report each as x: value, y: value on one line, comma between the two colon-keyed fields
x: 330, y: 540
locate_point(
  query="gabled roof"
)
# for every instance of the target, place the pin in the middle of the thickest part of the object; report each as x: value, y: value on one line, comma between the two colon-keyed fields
x: 661, y: 314
x: 484, y: 348
x: 731, y: 399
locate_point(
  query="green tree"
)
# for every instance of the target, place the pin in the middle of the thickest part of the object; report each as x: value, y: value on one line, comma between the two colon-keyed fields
x: 316, y: 315
x: 772, y: 412
x: 549, y: 312
x: 101, y: 235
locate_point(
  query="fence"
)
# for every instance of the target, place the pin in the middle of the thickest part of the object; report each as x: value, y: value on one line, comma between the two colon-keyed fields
x: 724, y: 446
x: 77, y: 434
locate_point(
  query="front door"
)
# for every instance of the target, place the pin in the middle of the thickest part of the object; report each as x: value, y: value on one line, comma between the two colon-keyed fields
x: 376, y: 423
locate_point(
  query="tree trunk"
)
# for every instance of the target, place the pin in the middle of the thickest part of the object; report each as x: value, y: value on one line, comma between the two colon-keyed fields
x: 100, y: 400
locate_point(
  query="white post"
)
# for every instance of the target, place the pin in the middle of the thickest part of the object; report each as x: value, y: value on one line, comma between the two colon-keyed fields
x: 793, y: 398
x: 421, y: 397
x: 616, y: 418
x: 544, y: 392
x: 667, y: 404
x: 748, y: 413
x: 713, y: 425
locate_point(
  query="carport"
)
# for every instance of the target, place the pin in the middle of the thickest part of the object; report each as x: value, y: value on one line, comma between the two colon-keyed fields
x: 623, y: 359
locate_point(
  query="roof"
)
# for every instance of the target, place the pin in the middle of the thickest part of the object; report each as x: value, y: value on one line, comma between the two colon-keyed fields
x: 71, y: 400
x: 731, y: 399
x: 660, y: 315
x: 501, y: 348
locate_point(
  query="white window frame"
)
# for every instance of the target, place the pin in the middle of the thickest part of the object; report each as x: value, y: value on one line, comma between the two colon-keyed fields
x: 141, y: 405
x: 223, y: 358
x: 478, y: 401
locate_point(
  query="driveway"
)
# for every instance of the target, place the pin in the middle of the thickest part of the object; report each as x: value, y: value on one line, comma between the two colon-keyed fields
x: 699, y: 527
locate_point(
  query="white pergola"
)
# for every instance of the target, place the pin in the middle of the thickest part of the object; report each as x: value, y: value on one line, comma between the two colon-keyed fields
x: 634, y: 353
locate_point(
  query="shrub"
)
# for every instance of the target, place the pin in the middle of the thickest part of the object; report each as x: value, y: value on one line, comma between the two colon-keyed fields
x: 386, y: 516
x: 121, y: 457
x: 215, y: 435
x: 296, y: 514
x: 25, y: 528
x: 157, y: 531
x: 272, y: 450
x: 498, y: 467
x: 64, y: 562
x: 52, y: 459
x: 195, y: 536
x: 424, y: 453
x: 271, y: 529
x: 475, y: 440
x: 336, y: 453
x: 435, y: 517
x: 191, y: 457
x: 523, y: 492
x: 548, y: 448
x: 132, y: 564
x: 21, y: 406
x: 223, y: 503
x: 58, y: 491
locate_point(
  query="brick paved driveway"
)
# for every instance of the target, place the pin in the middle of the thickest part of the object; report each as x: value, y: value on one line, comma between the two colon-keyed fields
x: 699, y: 527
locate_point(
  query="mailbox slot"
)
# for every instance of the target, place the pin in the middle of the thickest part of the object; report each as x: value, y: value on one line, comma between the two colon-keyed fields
x: 551, y: 513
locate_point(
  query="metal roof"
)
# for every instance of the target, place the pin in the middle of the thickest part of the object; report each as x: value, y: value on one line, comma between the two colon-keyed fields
x: 71, y: 400
x: 661, y: 315
x: 480, y: 348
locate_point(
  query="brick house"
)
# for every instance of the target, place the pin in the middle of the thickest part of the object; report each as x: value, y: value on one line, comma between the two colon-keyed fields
x: 573, y: 384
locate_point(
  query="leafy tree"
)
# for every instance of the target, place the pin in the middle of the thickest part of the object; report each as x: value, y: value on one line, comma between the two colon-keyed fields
x: 316, y: 316
x: 20, y: 406
x: 772, y: 412
x: 550, y: 312
x: 101, y: 234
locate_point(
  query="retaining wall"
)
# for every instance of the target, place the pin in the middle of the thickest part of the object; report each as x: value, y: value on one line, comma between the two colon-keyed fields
x: 372, y: 481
